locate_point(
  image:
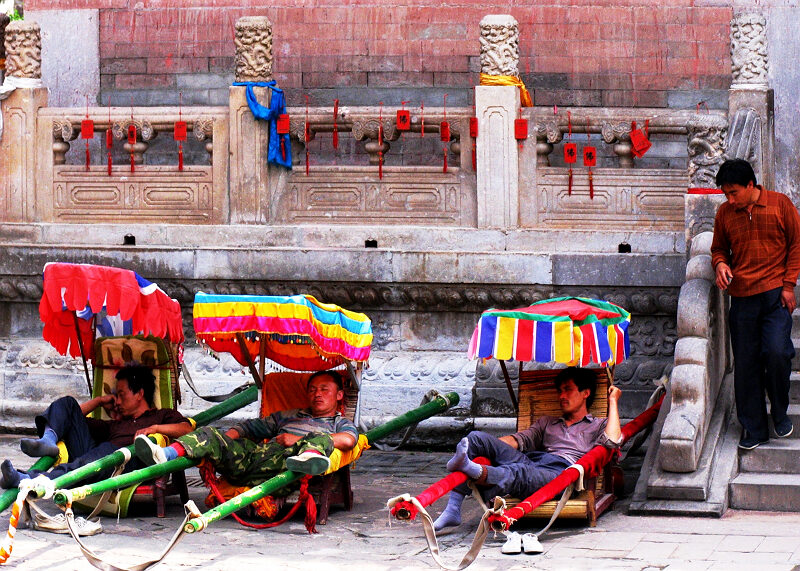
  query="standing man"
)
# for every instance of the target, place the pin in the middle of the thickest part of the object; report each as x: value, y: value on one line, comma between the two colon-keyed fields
x: 756, y: 257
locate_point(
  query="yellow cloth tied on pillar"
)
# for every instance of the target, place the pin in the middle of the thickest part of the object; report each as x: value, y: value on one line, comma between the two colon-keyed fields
x: 524, y: 95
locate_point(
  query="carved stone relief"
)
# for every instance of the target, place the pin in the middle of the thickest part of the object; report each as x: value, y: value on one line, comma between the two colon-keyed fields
x: 706, y: 135
x: 499, y: 45
x: 744, y: 139
x: 253, y: 49
x: 749, y: 63
x: 23, y: 46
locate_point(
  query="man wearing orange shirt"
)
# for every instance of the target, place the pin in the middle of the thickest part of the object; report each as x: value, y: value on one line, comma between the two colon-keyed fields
x: 756, y: 257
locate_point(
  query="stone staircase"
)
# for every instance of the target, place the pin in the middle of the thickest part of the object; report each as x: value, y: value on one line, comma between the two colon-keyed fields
x: 769, y: 476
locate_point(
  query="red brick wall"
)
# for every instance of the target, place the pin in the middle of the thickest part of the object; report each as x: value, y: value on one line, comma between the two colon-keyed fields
x: 578, y: 52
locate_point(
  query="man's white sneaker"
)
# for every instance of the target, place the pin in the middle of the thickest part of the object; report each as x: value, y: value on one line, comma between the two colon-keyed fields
x: 148, y: 451
x: 308, y: 462
x: 58, y: 524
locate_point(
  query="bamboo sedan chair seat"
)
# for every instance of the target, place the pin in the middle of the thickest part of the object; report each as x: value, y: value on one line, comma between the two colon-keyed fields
x: 538, y: 397
x: 111, y: 353
x: 286, y: 391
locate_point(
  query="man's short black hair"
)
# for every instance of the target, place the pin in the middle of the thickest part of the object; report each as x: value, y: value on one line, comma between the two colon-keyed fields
x: 736, y: 171
x: 139, y: 379
x: 583, y: 379
x: 335, y: 376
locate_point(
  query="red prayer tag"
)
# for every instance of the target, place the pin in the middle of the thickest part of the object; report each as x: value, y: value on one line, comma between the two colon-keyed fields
x: 473, y: 127
x: 180, y: 131
x: 403, y: 120
x: 570, y: 153
x: 109, y: 139
x: 283, y: 124
x: 520, y: 129
x: 640, y: 144
x: 87, y: 129
x: 444, y: 131
x: 589, y: 156
x: 131, y: 134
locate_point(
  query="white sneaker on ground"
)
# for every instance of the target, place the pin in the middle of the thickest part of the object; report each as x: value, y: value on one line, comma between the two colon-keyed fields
x: 148, y: 451
x: 513, y: 544
x: 58, y: 524
x: 531, y: 544
x: 308, y: 462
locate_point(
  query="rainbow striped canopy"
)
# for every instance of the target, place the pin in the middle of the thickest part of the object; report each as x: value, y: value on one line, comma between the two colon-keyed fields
x: 570, y: 330
x: 302, y: 333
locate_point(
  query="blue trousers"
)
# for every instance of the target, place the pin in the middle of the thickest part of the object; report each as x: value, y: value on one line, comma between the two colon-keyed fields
x: 762, y: 352
x: 513, y: 472
x: 65, y: 418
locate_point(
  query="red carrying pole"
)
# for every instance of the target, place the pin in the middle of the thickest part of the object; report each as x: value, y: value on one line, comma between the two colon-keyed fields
x: 592, y: 462
x: 407, y: 510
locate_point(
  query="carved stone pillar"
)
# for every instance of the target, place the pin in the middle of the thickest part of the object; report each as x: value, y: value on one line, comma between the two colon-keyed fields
x: 249, y: 174
x: 23, y: 46
x: 496, y: 108
x: 20, y: 101
x: 253, y: 49
x: 706, y: 134
x: 499, y: 45
x: 144, y: 134
x: 4, y: 20
x: 749, y: 63
x: 750, y: 100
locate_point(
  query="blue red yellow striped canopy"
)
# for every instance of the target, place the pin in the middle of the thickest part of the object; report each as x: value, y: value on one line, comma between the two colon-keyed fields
x: 301, y: 333
x: 570, y: 330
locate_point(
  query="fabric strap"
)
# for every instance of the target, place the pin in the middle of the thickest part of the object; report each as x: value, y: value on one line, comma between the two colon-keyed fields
x: 277, y: 106
x: 524, y: 96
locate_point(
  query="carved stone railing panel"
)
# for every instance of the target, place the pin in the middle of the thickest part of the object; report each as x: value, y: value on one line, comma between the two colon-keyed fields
x: 647, y: 199
x: 749, y: 63
x: 706, y: 148
x: 413, y: 194
x: 195, y: 195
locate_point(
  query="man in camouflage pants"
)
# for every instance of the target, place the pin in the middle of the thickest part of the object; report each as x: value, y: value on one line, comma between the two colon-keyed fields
x: 300, y: 440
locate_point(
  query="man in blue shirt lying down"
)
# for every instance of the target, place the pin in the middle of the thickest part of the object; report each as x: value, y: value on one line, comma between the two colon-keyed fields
x: 527, y: 460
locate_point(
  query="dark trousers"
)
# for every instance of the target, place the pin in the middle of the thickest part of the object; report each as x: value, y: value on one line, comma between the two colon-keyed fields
x: 513, y: 472
x: 762, y: 352
x: 65, y: 418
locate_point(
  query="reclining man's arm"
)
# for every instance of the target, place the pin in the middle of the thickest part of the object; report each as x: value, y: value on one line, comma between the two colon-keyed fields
x: 104, y: 401
x: 613, y: 430
x: 170, y: 430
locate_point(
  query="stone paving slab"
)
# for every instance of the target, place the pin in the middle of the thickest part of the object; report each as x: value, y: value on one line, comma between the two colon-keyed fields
x: 366, y: 538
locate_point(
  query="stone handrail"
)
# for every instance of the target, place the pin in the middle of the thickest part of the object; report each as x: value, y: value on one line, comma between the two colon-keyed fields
x: 702, y: 358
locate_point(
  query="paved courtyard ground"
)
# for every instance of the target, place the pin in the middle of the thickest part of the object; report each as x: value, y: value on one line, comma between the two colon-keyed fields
x: 366, y: 538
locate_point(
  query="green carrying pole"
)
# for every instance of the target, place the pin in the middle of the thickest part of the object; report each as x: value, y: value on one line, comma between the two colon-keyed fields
x: 437, y: 405
x: 117, y: 457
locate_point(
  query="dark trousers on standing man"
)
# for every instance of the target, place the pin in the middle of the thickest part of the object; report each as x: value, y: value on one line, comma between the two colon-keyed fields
x: 762, y: 352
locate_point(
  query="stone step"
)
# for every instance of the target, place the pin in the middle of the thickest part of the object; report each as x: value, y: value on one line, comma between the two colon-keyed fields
x: 794, y: 387
x: 766, y: 492
x: 778, y: 456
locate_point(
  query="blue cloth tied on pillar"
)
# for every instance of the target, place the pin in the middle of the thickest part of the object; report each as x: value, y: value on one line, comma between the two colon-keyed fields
x: 277, y: 106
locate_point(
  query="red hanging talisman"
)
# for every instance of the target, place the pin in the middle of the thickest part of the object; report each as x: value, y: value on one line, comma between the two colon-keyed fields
x: 87, y: 132
x: 473, y: 132
x: 640, y: 143
x: 422, y: 119
x: 132, y: 141
x: 282, y: 126
x: 589, y: 160
x: 307, y: 136
x: 109, y: 142
x: 179, y: 133
x: 444, y: 134
x: 380, y: 142
x: 335, y: 126
x: 520, y: 129
x: 403, y: 118
x: 570, y: 152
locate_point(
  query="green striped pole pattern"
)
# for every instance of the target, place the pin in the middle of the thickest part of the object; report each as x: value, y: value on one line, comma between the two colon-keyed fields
x: 117, y: 457
x: 437, y: 405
